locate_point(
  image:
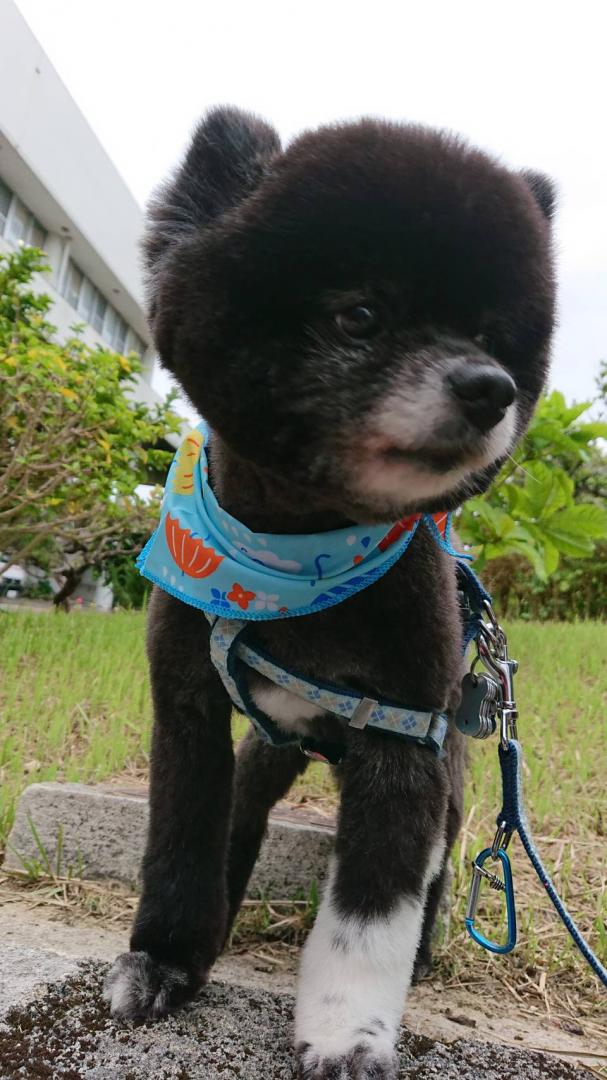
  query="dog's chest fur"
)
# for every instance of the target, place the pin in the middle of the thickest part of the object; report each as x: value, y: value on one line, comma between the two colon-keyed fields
x: 397, y: 640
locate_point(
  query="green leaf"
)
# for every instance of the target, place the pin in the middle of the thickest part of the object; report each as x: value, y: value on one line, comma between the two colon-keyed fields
x: 498, y: 523
x: 539, y: 487
x: 585, y: 519
x: 535, y: 555
x: 516, y: 498
x: 555, y: 402
x: 596, y: 429
x: 567, y: 531
x: 552, y: 557
x: 572, y: 412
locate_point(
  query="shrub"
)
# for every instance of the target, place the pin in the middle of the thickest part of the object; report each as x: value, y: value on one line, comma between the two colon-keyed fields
x: 74, y: 444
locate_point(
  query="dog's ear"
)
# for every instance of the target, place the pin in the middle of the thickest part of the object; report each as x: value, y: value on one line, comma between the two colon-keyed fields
x: 543, y: 191
x: 228, y: 155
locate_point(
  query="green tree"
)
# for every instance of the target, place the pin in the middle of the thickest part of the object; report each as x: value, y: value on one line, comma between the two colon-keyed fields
x: 549, y: 500
x: 74, y: 443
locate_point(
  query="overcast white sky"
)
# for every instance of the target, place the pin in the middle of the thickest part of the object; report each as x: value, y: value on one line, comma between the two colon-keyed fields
x: 523, y: 79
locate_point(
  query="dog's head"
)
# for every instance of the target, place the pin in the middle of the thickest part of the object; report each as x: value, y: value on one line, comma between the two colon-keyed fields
x: 365, y: 315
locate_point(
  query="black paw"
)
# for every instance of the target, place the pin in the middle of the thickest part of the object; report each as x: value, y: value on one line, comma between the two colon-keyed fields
x: 360, y: 1063
x: 136, y: 987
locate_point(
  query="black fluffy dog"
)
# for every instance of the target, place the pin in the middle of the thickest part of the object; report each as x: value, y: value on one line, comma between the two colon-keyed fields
x: 364, y: 320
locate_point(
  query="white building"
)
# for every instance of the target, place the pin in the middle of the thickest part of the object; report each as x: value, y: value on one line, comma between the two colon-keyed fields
x: 60, y: 191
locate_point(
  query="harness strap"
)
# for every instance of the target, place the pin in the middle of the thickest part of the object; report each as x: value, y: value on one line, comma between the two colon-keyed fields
x: 225, y: 635
x: 232, y: 655
x: 425, y: 726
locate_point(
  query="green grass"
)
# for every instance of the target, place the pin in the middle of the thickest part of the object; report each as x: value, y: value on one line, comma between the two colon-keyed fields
x: 74, y: 705
x: 74, y: 700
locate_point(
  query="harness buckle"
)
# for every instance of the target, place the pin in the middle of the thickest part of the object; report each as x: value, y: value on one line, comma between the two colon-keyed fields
x: 362, y: 713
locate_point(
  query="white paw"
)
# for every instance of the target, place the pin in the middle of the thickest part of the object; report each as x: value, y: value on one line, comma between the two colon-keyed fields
x: 361, y: 1063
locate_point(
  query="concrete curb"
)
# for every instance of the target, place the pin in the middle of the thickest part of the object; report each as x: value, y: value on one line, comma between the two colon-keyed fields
x: 99, y: 832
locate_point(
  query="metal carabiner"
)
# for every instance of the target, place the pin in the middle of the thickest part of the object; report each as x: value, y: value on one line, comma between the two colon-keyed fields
x: 506, y: 886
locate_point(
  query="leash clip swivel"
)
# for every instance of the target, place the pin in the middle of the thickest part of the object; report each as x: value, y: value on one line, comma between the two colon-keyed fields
x: 492, y: 651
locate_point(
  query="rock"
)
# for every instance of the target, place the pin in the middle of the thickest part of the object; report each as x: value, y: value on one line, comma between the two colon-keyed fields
x: 228, y: 1031
x: 24, y: 970
x: 100, y: 832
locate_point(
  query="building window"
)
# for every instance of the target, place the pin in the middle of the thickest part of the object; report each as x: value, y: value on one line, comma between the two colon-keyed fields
x: 37, y: 235
x: 120, y: 335
x: 135, y: 344
x: 86, y: 299
x: 73, y: 284
x: 17, y: 222
x: 99, y: 310
x: 82, y: 295
x: 115, y: 330
x: 5, y: 202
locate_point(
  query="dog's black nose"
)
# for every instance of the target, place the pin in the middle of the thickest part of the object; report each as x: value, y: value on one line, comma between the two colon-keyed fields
x: 484, y: 393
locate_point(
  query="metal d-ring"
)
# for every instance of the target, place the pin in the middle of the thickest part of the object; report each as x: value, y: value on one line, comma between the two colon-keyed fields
x: 506, y: 886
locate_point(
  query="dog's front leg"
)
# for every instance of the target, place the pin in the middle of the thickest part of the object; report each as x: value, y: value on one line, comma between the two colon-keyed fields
x: 263, y: 775
x: 358, y: 961
x: 181, y: 922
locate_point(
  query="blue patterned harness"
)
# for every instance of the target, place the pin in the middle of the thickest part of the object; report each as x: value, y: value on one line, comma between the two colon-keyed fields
x: 232, y: 654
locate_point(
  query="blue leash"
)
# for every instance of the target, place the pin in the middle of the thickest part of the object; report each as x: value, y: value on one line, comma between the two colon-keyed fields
x: 492, y: 652
x: 513, y: 818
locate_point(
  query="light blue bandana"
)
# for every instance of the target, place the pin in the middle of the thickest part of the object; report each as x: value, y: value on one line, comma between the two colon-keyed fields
x: 205, y: 557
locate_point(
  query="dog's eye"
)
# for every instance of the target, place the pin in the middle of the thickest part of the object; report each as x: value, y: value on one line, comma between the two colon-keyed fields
x: 357, y: 322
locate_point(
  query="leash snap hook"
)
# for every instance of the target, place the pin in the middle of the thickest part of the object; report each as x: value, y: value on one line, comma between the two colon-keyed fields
x: 492, y: 651
x: 505, y: 885
x: 501, y: 839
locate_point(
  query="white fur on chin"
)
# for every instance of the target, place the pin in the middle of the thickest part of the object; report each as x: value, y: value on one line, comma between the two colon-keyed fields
x: 379, y: 477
